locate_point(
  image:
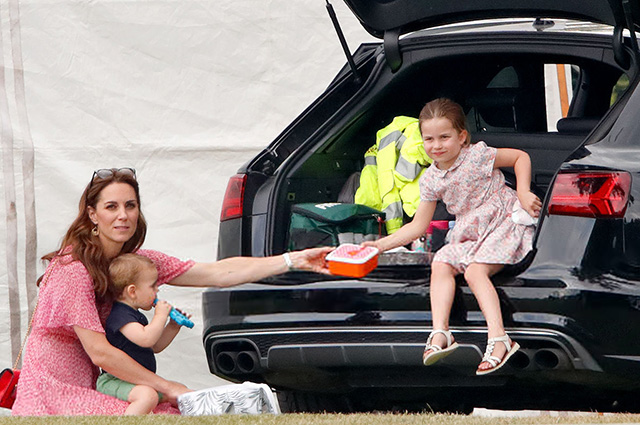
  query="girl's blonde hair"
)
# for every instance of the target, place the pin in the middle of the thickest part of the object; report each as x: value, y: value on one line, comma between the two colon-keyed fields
x: 125, y: 270
x: 445, y: 108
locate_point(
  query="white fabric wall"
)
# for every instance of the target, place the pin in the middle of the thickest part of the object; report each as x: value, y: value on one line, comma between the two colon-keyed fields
x: 185, y: 91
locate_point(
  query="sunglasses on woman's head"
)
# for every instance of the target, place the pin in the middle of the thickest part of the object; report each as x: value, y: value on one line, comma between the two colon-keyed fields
x: 104, y: 173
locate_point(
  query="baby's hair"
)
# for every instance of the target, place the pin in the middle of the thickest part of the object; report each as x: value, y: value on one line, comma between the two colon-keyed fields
x: 125, y: 269
x: 445, y: 108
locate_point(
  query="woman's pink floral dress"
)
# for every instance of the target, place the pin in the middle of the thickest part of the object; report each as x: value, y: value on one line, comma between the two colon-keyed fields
x: 477, y: 195
x: 58, y: 377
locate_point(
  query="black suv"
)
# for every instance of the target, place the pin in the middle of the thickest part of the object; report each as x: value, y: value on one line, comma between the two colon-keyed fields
x: 331, y: 343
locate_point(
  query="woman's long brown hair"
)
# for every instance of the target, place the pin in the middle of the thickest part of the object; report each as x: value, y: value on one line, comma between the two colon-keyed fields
x: 87, y: 248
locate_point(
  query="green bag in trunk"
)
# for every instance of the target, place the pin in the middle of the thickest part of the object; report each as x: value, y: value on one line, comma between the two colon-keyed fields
x: 332, y: 224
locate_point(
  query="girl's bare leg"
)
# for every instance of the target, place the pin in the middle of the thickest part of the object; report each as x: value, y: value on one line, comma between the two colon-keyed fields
x: 478, y: 277
x: 442, y: 291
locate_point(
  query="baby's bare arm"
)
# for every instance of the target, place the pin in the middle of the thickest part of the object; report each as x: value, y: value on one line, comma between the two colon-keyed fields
x: 148, y: 336
x: 169, y: 333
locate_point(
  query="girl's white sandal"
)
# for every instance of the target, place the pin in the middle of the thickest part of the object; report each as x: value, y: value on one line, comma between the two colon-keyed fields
x: 437, y: 352
x: 496, y: 362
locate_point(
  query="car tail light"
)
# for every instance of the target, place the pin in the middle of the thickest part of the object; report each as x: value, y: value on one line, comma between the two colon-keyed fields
x: 233, y: 198
x: 595, y: 194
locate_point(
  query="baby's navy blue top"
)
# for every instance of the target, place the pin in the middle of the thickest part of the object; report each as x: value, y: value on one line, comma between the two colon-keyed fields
x: 120, y: 315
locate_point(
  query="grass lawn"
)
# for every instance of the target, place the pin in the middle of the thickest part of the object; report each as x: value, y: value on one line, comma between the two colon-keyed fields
x: 326, y: 419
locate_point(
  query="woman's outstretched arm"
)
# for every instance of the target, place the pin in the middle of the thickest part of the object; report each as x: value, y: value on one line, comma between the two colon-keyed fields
x: 237, y: 270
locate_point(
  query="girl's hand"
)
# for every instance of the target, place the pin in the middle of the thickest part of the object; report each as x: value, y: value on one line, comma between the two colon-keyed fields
x: 531, y: 203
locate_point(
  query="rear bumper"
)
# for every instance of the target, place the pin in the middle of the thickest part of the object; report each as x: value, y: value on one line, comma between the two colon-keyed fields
x: 337, y: 337
x: 278, y: 351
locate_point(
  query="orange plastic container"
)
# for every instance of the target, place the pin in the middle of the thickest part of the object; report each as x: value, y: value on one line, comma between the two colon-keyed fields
x: 352, y: 260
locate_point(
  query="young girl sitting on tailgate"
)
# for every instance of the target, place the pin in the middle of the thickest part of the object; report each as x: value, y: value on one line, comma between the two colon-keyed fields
x: 485, y: 238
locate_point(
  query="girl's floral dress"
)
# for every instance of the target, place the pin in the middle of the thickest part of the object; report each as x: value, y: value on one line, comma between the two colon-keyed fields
x: 477, y: 195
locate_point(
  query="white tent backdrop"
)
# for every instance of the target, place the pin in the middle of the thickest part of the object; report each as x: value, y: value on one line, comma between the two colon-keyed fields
x: 185, y: 91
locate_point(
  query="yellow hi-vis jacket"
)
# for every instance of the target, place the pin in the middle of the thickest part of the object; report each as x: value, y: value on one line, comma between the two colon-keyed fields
x: 393, y: 166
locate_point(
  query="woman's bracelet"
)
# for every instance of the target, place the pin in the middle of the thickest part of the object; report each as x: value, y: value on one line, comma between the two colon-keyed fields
x: 287, y: 260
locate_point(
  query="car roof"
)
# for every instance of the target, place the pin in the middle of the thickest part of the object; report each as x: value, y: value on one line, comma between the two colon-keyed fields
x: 404, y: 16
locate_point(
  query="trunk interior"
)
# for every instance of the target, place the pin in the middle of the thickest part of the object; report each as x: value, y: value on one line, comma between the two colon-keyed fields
x: 506, y: 84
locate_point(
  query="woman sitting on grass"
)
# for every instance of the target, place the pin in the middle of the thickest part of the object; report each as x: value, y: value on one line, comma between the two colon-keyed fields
x: 67, y: 344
